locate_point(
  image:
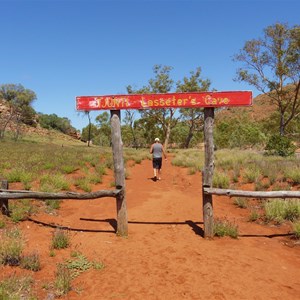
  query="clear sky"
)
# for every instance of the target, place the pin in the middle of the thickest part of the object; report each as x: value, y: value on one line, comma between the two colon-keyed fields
x: 61, y: 49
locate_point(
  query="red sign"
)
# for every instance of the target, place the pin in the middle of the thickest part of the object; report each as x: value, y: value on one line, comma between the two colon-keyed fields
x: 155, y: 101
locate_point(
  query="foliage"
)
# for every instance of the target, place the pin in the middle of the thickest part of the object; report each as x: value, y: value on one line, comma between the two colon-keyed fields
x: 165, y: 117
x: 11, y: 247
x: 280, y: 145
x: 62, y: 282
x: 31, y: 262
x: 78, y: 265
x: 16, y: 288
x: 241, y: 202
x: 20, y: 210
x: 193, y: 117
x: 270, y: 64
x: 60, y: 239
x: 225, y: 228
x: 191, y: 158
x: 296, y: 229
x: 238, y: 133
x: 19, y: 101
x: 53, y: 121
x: 221, y: 180
x: 279, y: 210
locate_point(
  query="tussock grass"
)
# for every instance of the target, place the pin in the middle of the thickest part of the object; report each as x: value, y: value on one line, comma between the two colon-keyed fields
x: 192, y: 158
x: 278, y: 210
x: 221, y: 180
x: 241, y: 202
x: 62, y: 282
x: 60, y: 239
x: 136, y: 155
x: 21, y: 209
x: 254, y: 215
x: 54, y: 183
x: 11, y: 247
x: 296, y: 229
x: 31, y: 262
x: 225, y: 228
x: 17, y: 288
x: 2, y: 223
x: 83, y: 183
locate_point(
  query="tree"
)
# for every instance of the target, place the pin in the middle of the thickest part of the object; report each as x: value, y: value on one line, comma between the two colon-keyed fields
x: 89, y: 133
x: 129, y: 121
x: 19, y: 102
x: 193, y: 117
x: 104, y: 128
x: 55, y: 122
x: 272, y: 66
x: 161, y: 83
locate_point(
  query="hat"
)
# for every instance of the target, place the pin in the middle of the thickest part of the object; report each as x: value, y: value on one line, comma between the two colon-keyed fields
x: 156, y: 140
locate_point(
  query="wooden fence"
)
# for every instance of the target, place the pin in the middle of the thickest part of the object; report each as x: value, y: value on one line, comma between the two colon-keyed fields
x: 251, y: 194
x: 6, y: 194
x: 118, y: 193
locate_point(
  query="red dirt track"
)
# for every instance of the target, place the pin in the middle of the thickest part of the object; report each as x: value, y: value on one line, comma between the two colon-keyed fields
x: 165, y: 255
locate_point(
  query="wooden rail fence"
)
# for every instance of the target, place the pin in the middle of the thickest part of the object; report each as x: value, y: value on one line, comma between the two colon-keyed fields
x: 6, y: 194
x: 251, y: 194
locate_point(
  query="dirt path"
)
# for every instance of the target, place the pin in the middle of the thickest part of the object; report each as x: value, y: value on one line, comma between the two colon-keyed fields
x: 165, y: 256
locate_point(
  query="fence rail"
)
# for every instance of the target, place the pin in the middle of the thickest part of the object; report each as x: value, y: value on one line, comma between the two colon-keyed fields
x: 251, y: 194
x: 15, y: 194
x: 6, y: 194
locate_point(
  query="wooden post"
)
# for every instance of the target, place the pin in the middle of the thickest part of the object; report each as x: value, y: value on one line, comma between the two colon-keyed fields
x: 117, y: 148
x: 207, y: 175
x: 4, y: 202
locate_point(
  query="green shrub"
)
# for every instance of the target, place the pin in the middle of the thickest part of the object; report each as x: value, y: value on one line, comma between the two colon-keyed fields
x: 280, y: 145
x: 293, y: 174
x: 241, y: 202
x: 60, y: 239
x: 296, y: 229
x: 254, y: 215
x: 11, y: 247
x: 62, y: 282
x: 279, y: 210
x: 20, y: 210
x: 31, y: 262
x: 2, y: 224
x: 16, y: 288
x: 83, y: 184
x: 78, y: 265
x: 225, y: 228
x: 221, y: 180
x: 251, y: 174
x: 52, y: 204
x: 54, y: 183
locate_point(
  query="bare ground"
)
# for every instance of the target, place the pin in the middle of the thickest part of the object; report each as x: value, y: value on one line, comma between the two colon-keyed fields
x: 165, y: 255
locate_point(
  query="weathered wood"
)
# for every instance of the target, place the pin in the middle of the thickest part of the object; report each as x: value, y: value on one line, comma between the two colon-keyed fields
x: 207, y: 174
x: 4, y: 200
x: 119, y: 170
x: 10, y: 194
x: 251, y: 194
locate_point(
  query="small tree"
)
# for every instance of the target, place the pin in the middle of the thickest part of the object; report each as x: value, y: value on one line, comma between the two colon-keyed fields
x: 18, y: 100
x: 165, y: 117
x: 193, y: 117
x: 272, y: 66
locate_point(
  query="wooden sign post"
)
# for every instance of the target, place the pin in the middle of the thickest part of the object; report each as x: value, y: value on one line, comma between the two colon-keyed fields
x: 208, y: 100
x: 117, y: 148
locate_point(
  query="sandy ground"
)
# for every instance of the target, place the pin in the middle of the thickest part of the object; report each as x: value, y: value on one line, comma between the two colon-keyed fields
x: 165, y: 255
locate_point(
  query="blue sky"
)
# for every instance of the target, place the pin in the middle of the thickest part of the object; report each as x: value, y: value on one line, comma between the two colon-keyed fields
x: 61, y: 49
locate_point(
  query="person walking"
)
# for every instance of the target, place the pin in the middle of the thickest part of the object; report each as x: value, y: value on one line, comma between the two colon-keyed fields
x: 157, y: 150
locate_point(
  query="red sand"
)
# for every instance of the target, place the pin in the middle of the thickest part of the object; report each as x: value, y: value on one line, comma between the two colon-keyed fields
x: 165, y: 255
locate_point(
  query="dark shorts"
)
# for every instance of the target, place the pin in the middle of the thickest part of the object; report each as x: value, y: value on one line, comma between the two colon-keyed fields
x: 157, y: 162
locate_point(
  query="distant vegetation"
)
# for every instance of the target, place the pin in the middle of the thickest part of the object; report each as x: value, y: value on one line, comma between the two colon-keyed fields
x: 270, y: 64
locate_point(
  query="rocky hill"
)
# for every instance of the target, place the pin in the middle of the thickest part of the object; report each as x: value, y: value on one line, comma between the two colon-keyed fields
x: 8, y: 122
